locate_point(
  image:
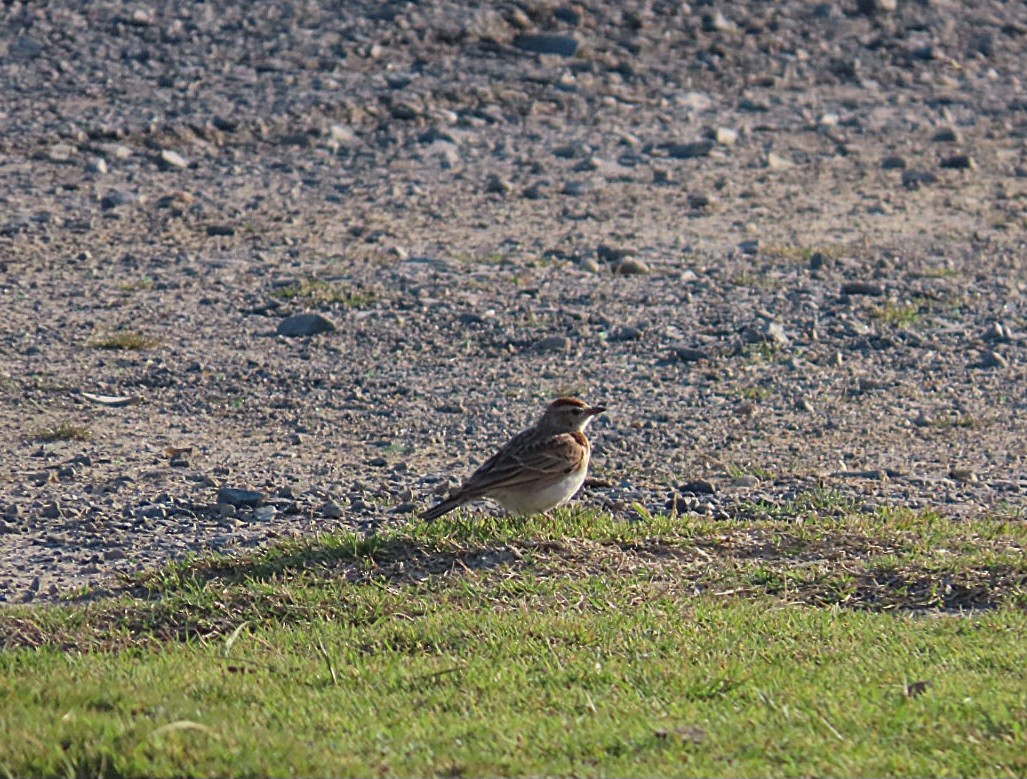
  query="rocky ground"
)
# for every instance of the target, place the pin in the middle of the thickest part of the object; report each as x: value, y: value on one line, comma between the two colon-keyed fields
x: 784, y: 242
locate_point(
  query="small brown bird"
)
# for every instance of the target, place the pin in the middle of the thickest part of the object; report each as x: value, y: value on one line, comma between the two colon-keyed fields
x: 539, y: 469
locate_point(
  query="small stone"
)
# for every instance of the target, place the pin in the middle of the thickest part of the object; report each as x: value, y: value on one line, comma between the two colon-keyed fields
x: 220, y: 230
x: 24, y: 48
x: 407, y: 507
x: 552, y: 343
x: 61, y: 152
x: 687, y: 151
x: 590, y: 265
x: 716, y: 22
x: 775, y: 333
x: 992, y: 359
x: 495, y: 185
x: 625, y: 333
x: 51, y: 511
x: 239, y: 497
x: 170, y: 160
x: 330, y: 510
x: 998, y: 332
x: 264, y: 513
x: 307, y: 324
x: 96, y: 165
x: 725, y: 136
x: 749, y: 247
x: 608, y: 253
x: 631, y: 266
x: 962, y: 475
x: 923, y: 419
x: 746, y: 481
x: 893, y: 162
x: 688, y: 354
x: 700, y: 201
x: 914, y: 179
x: 945, y: 135
x: 116, y: 197
x: 547, y: 43
x: 803, y: 404
x: 818, y: 260
x: 777, y: 162
x: 342, y: 135
x: 959, y: 162
x: 862, y: 288
x: 697, y: 487
x: 871, y: 7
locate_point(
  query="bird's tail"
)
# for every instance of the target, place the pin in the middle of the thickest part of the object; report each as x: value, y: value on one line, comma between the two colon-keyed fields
x: 444, y: 507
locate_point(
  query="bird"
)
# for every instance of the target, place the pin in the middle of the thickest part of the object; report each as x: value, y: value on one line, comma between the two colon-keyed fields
x: 539, y: 469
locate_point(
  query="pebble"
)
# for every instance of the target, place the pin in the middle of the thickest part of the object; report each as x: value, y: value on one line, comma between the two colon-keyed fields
x: 992, y: 359
x: 61, y: 152
x: 868, y: 288
x: 24, y: 48
x: 958, y: 162
x: 307, y: 324
x: 893, y: 162
x: 170, y: 160
x: 96, y: 165
x: 700, y: 201
x: 117, y: 197
x: 914, y: 179
x: 625, y: 333
x: 495, y: 185
x: 689, y: 354
x: 235, y: 497
x: 725, y: 136
x: 552, y: 343
x: 264, y: 513
x: 330, y: 510
x: 998, y: 332
x: 871, y: 7
x: 547, y: 43
x: 775, y: 332
x: 777, y: 162
x: 746, y: 481
x: 962, y: 475
x: 687, y: 151
x: 945, y: 135
x: 631, y: 266
x: 697, y: 487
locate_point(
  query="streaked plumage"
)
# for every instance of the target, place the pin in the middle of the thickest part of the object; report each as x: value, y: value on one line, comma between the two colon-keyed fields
x: 538, y: 469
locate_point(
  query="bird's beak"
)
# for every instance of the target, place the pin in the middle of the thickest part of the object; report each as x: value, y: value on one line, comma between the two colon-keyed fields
x: 596, y: 410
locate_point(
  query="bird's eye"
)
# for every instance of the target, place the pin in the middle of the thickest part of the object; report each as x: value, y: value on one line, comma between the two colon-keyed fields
x: 576, y: 411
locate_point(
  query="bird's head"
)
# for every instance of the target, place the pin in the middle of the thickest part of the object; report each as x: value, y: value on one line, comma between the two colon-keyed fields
x: 569, y: 415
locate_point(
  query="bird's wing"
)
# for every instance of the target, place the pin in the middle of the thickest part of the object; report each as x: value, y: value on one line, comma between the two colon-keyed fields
x: 515, y: 464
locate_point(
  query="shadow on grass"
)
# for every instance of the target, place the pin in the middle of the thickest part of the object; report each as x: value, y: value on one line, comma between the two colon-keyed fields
x: 405, y: 571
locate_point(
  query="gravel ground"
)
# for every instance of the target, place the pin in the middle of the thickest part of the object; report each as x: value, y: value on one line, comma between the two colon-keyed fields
x: 784, y: 242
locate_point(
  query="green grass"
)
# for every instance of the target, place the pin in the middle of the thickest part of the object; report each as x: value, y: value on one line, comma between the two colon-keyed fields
x: 62, y: 431
x: 316, y: 290
x: 579, y: 645
x: 125, y: 340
